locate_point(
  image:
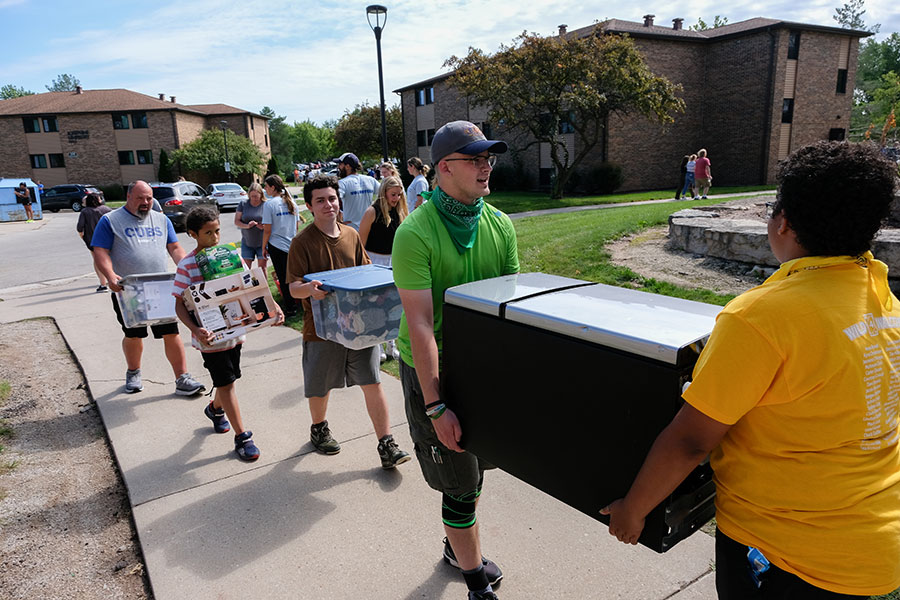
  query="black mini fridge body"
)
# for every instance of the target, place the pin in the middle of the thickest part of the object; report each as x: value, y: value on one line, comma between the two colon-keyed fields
x: 565, y: 384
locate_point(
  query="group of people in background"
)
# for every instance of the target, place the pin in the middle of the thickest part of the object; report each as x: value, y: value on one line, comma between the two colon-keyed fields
x: 695, y: 176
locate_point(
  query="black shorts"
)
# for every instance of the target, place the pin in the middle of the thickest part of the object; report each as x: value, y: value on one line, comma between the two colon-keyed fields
x: 141, y: 332
x: 224, y: 366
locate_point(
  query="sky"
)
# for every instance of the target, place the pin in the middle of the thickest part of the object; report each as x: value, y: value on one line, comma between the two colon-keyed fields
x: 312, y: 60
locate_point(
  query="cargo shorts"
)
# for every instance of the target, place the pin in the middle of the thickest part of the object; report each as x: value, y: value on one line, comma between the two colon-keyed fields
x: 453, y: 473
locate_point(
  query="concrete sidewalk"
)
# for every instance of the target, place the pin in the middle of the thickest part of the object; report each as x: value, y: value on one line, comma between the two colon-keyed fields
x: 297, y: 524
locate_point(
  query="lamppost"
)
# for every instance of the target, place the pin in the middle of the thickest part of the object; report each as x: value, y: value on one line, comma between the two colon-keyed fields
x: 224, y: 125
x: 379, y: 12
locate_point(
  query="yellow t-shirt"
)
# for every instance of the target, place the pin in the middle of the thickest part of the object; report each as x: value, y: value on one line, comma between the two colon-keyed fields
x: 806, y: 367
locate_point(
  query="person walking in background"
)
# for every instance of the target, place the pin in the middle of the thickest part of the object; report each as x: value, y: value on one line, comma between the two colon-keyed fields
x: 327, y: 365
x: 132, y: 240
x: 682, y: 175
x: 419, y: 184
x: 248, y: 218
x: 454, y: 238
x: 358, y: 192
x: 376, y: 233
x: 387, y: 169
x: 23, y: 197
x: 702, y: 174
x: 87, y: 222
x: 281, y: 220
x: 689, y: 177
x: 796, y: 387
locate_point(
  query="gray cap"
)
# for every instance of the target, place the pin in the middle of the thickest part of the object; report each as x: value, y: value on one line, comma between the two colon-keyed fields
x: 463, y: 137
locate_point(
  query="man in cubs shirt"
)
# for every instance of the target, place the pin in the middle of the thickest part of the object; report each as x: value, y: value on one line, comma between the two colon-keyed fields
x: 796, y: 397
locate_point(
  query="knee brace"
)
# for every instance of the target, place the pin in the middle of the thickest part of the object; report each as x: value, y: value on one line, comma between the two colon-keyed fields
x: 459, y: 511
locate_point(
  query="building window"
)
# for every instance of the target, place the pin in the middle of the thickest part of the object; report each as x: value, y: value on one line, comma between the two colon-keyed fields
x: 138, y: 120
x: 38, y: 161
x: 120, y: 121
x: 787, y: 110
x: 837, y: 134
x: 566, y: 123
x: 32, y: 124
x: 49, y: 124
x: 425, y: 96
x: 266, y: 138
x: 57, y: 161
x: 842, y: 81
x: 252, y: 127
x: 144, y: 157
x: 126, y: 157
x: 794, y: 45
x: 485, y: 128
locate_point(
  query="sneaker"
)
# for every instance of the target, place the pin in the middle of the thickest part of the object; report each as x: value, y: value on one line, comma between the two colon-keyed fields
x: 483, y: 595
x: 395, y: 354
x: 101, y: 288
x: 703, y: 197
x: 383, y: 356
x: 390, y: 454
x: 321, y: 438
x: 220, y: 421
x: 186, y: 385
x: 30, y: 221
x: 133, y: 381
x: 244, y: 446
x: 491, y: 570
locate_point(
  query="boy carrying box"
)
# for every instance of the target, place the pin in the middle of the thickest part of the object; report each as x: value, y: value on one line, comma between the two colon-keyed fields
x: 327, y: 365
x: 222, y: 360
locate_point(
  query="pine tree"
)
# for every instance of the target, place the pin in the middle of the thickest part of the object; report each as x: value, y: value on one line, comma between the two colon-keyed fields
x: 165, y: 167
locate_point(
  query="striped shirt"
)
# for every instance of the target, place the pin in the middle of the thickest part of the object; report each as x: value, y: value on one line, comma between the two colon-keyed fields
x: 187, y: 274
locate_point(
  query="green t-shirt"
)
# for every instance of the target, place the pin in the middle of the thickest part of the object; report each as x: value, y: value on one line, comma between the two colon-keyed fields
x: 424, y: 257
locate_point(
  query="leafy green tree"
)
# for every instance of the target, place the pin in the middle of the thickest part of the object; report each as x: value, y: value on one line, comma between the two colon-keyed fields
x: 280, y: 137
x: 313, y: 142
x: 63, y: 83
x: 875, y: 60
x: 850, y: 16
x: 10, y: 91
x: 165, y: 167
x: 359, y: 131
x: 272, y: 167
x: 541, y: 87
x: 207, y: 154
x: 702, y: 25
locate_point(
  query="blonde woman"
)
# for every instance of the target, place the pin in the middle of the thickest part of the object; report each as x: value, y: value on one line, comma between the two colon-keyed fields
x: 248, y: 218
x: 376, y: 233
x: 281, y: 219
x: 387, y: 169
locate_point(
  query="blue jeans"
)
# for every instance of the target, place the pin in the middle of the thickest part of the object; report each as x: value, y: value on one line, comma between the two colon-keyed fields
x: 688, y: 184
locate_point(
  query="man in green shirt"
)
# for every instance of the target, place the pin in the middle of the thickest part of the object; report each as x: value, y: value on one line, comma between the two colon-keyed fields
x: 453, y: 238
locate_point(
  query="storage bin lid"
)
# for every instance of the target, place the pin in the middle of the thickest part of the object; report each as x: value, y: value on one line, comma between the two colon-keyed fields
x: 354, y: 279
x: 144, y: 277
x: 491, y: 295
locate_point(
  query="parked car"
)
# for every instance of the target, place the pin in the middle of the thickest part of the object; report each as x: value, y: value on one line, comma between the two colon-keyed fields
x: 226, y: 195
x: 178, y: 198
x: 71, y: 195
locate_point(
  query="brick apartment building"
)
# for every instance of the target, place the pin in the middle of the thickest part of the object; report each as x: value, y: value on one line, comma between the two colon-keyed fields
x: 103, y: 137
x: 754, y: 91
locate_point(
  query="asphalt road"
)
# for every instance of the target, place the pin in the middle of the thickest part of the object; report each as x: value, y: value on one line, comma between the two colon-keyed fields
x: 51, y: 249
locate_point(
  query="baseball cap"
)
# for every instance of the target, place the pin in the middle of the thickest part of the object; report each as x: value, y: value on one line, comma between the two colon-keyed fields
x: 350, y: 159
x: 463, y: 137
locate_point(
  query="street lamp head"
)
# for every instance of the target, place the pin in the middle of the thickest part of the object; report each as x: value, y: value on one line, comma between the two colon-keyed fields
x: 379, y: 12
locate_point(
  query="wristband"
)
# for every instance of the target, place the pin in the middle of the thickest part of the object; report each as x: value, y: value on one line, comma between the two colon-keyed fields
x: 433, y: 404
x: 437, y: 415
x: 435, y: 410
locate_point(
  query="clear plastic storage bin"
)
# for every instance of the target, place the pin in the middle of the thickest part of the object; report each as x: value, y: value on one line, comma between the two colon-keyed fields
x: 147, y: 299
x: 362, y: 308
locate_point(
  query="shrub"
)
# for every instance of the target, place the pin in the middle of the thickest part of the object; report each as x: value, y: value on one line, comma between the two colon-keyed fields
x: 605, y: 178
x: 112, y: 192
x: 165, y: 174
x: 509, y: 178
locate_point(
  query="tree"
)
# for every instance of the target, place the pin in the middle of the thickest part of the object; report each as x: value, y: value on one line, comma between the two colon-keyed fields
x: 850, y: 16
x: 359, y: 131
x: 543, y: 86
x: 207, y: 154
x: 702, y: 25
x: 165, y: 168
x: 10, y: 91
x: 875, y: 60
x: 312, y: 142
x: 63, y: 83
x: 272, y: 167
x: 280, y: 137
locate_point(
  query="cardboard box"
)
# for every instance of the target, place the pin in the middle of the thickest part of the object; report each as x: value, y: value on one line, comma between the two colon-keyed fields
x: 362, y: 308
x: 233, y: 305
x: 219, y: 261
x: 147, y: 299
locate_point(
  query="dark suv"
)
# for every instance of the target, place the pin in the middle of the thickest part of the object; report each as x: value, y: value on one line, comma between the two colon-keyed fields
x: 178, y: 198
x: 71, y: 195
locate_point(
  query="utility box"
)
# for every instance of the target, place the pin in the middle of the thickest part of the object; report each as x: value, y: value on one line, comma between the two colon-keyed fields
x: 565, y: 384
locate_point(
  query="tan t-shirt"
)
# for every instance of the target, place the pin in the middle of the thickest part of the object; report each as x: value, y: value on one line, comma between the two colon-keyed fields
x: 312, y: 251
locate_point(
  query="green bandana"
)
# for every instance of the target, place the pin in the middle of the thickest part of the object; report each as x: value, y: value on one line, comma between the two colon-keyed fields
x: 461, y: 220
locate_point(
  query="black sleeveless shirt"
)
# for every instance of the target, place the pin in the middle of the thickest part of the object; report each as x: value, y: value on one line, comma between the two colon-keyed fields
x: 381, y: 236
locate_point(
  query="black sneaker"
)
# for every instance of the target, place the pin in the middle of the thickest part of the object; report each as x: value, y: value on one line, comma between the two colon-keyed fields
x: 390, y: 454
x: 244, y: 446
x: 491, y: 570
x: 220, y: 422
x: 482, y: 595
x: 321, y: 438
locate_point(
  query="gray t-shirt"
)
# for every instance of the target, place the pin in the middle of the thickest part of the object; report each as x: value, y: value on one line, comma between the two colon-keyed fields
x: 136, y: 245
x: 251, y: 237
x: 358, y: 192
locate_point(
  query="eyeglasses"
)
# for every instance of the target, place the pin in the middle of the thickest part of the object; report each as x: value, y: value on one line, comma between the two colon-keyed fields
x: 771, y: 209
x: 479, y: 162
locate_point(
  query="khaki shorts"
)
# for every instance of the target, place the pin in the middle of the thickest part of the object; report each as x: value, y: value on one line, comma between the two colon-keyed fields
x: 703, y: 182
x: 327, y: 366
x: 453, y: 473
